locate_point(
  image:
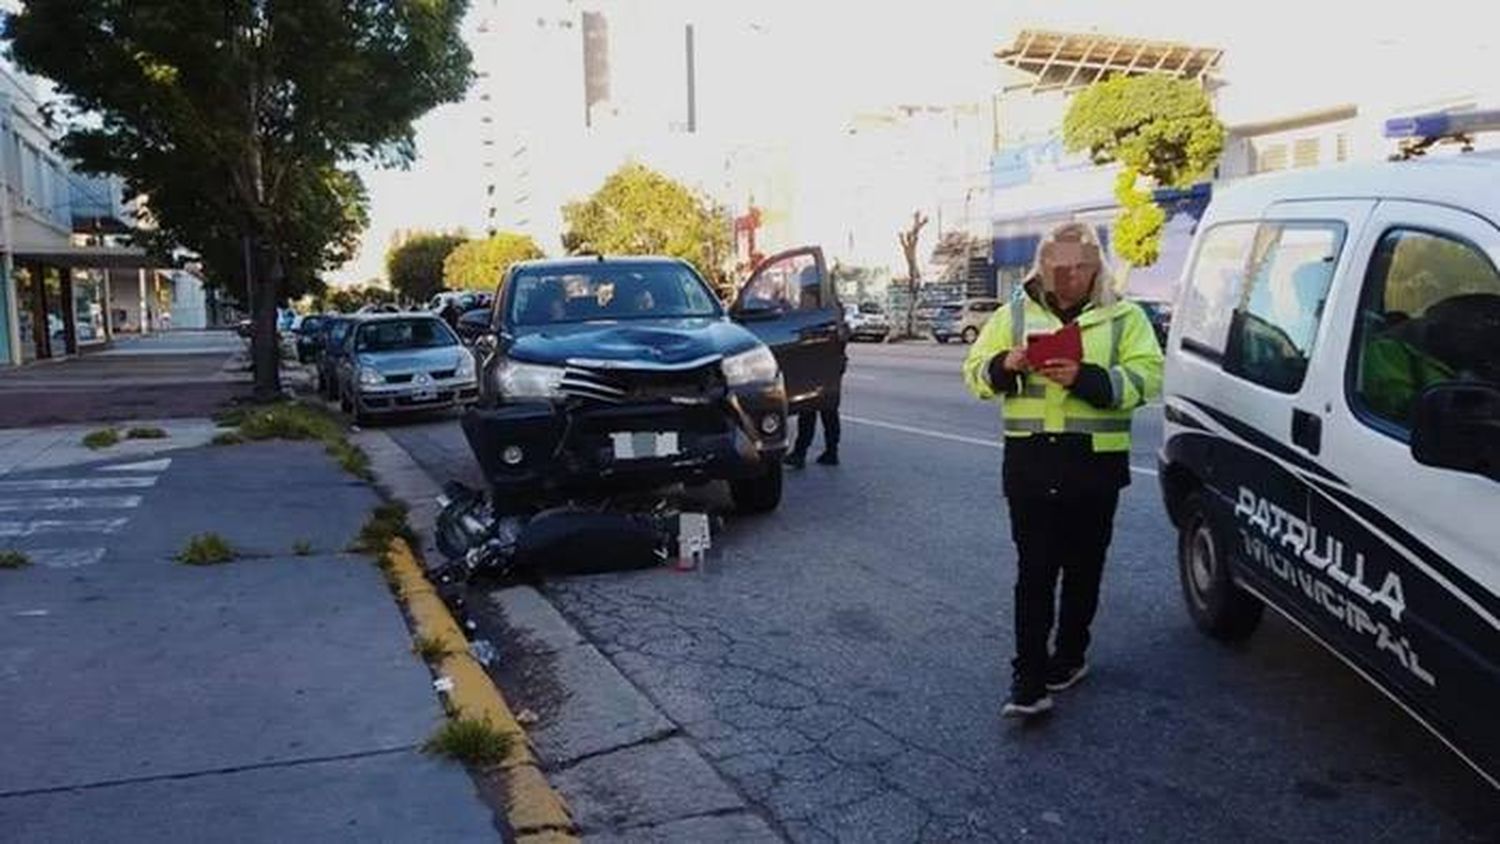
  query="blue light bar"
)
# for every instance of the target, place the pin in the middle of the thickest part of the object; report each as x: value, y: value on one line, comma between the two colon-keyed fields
x: 1443, y: 125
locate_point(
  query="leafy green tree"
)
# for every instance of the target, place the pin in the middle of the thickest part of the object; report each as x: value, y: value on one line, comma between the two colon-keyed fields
x: 480, y: 264
x: 1162, y: 130
x: 239, y: 118
x: 415, y: 265
x: 638, y: 211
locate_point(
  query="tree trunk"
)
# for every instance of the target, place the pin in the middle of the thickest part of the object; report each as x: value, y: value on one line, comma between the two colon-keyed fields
x: 909, y: 240
x: 265, y: 344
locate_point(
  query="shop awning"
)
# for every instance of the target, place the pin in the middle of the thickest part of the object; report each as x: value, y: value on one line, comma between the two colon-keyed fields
x: 91, y: 257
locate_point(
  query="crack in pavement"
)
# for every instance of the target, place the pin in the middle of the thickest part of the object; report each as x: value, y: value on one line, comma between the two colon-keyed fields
x: 209, y: 772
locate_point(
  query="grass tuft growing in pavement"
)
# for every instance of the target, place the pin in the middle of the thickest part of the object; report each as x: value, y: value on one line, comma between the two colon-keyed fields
x: 295, y: 421
x: 386, y: 522
x: 207, y: 549
x: 302, y: 548
x: 13, y: 560
x: 470, y: 741
x: 290, y: 421
x: 102, y: 438
x: 430, y: 648
x: 148, y: 433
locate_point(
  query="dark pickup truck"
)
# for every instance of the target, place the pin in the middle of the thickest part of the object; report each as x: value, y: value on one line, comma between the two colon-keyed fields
x: 606, y: 377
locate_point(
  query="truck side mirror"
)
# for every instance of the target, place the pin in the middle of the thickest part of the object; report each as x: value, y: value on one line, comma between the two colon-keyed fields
x: 1456, y: 426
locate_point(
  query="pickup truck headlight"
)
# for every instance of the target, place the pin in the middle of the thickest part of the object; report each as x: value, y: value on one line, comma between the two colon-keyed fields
x: 529, y: 380
x: 753, y: 367
x: 370, y: 377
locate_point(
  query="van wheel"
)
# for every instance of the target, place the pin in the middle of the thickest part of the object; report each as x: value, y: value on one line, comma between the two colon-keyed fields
x: 971, y: 334
x: 1219, y: 608
x: 941, y: 338
x: 760, y: 494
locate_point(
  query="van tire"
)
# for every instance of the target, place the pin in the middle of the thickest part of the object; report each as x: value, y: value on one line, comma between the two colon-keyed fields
x: 1219, y: 607
x: 760, y: 494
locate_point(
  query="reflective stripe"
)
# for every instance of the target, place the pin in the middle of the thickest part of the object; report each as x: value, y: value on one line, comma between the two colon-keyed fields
x: 1071, y: 426
x: 1034, y: 391
x: 1117, y: 384
x: 1098, y: 426
x: 1018, y: 319
x: 1116, y: 331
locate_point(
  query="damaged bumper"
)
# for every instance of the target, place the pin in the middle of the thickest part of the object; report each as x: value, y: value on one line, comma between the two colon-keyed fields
x: 577, y: 447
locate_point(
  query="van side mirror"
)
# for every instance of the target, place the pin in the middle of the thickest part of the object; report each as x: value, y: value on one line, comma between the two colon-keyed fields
x: 1456, y: 425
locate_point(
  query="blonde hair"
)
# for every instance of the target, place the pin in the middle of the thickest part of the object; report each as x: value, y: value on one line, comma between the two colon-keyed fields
x: 1104, y: 292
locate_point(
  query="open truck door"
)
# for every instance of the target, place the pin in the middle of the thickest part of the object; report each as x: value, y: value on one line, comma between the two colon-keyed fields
x: 790, y: 304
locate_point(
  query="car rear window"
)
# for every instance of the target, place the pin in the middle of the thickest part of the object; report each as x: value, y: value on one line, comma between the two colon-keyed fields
x: 399, y: 334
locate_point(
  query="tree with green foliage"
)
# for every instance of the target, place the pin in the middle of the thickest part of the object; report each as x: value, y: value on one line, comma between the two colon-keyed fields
x: 239, y: 118
x: 480, y: 264
x: 638, y: 211
x: 415, y: 265
x: 1162, y: 130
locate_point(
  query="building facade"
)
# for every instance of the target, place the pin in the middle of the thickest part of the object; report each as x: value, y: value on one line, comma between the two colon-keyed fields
x: 60, y: 232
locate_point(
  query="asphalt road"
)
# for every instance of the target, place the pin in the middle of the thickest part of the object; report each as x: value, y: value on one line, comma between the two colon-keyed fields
x: 843, y: 661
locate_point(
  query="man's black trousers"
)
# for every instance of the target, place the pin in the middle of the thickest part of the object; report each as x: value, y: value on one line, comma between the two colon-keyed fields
x: 807, y: 424
x: 1067, y: 536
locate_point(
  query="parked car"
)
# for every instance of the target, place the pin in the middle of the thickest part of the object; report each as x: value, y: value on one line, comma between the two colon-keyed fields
x: 963, y: 320
x: 309, y: 337
x: 1333, y: 426
x: 331, y: 352
x: 404, y: 362
x: 474, y: 324
x: 867, y: 321
x: 622, y: 375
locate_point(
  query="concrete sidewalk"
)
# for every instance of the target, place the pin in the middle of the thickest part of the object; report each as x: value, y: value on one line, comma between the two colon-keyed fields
x: 275, y: 697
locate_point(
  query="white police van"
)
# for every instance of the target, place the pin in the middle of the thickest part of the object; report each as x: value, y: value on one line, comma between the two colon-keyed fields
x: 1333, y: 423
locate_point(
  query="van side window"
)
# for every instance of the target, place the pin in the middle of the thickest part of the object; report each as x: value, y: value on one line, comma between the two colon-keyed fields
x: 1272, y: 331
x: 1429, y: 313
x: 1214, y: 288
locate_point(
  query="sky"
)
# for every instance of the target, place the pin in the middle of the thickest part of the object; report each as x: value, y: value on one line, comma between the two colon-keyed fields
x: 838, y: 57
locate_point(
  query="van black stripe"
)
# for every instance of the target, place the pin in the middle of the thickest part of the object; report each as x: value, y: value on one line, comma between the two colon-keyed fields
x: 1460, y: 580
x: 1260, y: 440
x: 1178, y: 416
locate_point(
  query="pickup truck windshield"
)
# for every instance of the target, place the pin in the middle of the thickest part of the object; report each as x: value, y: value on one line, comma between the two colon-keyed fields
x: 545, y: 296
x: 396, y: 335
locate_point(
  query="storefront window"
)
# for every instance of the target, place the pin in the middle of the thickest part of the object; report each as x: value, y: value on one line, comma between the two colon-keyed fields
x: 26, y: 301
x: 88, y: 305
x: 56, y: 313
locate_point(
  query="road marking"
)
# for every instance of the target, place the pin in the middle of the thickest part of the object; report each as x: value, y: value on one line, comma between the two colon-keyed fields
x: 40, y: 526
x: 955, y: 438
x: 100, y: 502
x: 144, y: 466
x: 859, y: 376
x: 61, y: 484
x: 65, y: 558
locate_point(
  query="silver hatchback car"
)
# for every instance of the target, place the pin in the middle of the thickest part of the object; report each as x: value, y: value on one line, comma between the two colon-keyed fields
x: 404, y: 362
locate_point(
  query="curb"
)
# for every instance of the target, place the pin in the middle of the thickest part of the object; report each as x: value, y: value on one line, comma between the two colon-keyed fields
x: 534, y: 811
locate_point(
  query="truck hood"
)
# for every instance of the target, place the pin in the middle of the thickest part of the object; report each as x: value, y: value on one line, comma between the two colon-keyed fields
x: 650, y: 342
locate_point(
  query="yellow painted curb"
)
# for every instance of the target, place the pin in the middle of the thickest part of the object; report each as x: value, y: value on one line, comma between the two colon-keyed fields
x: 532, y: 805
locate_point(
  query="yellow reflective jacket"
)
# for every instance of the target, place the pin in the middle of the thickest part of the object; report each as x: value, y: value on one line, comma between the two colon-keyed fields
x: 1116, y: 337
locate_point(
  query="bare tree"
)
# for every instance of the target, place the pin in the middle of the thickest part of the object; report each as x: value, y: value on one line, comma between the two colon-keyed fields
x: 908, y: 239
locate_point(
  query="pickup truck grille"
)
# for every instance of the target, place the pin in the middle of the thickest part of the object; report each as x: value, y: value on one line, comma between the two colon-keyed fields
x: 701, y: 385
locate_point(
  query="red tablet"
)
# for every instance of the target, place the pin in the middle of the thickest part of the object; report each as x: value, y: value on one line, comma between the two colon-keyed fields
x: 1064, y: 344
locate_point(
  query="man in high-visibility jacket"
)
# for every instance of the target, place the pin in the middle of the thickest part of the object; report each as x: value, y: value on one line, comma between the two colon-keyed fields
x: 1067, y: 447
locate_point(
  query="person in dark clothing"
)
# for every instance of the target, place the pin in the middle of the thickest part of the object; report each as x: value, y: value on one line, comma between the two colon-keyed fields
x: 1067, y: 449
x: 827, y: 408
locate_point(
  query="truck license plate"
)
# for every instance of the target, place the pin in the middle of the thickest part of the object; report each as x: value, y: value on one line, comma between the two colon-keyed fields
x: 635, y: 445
